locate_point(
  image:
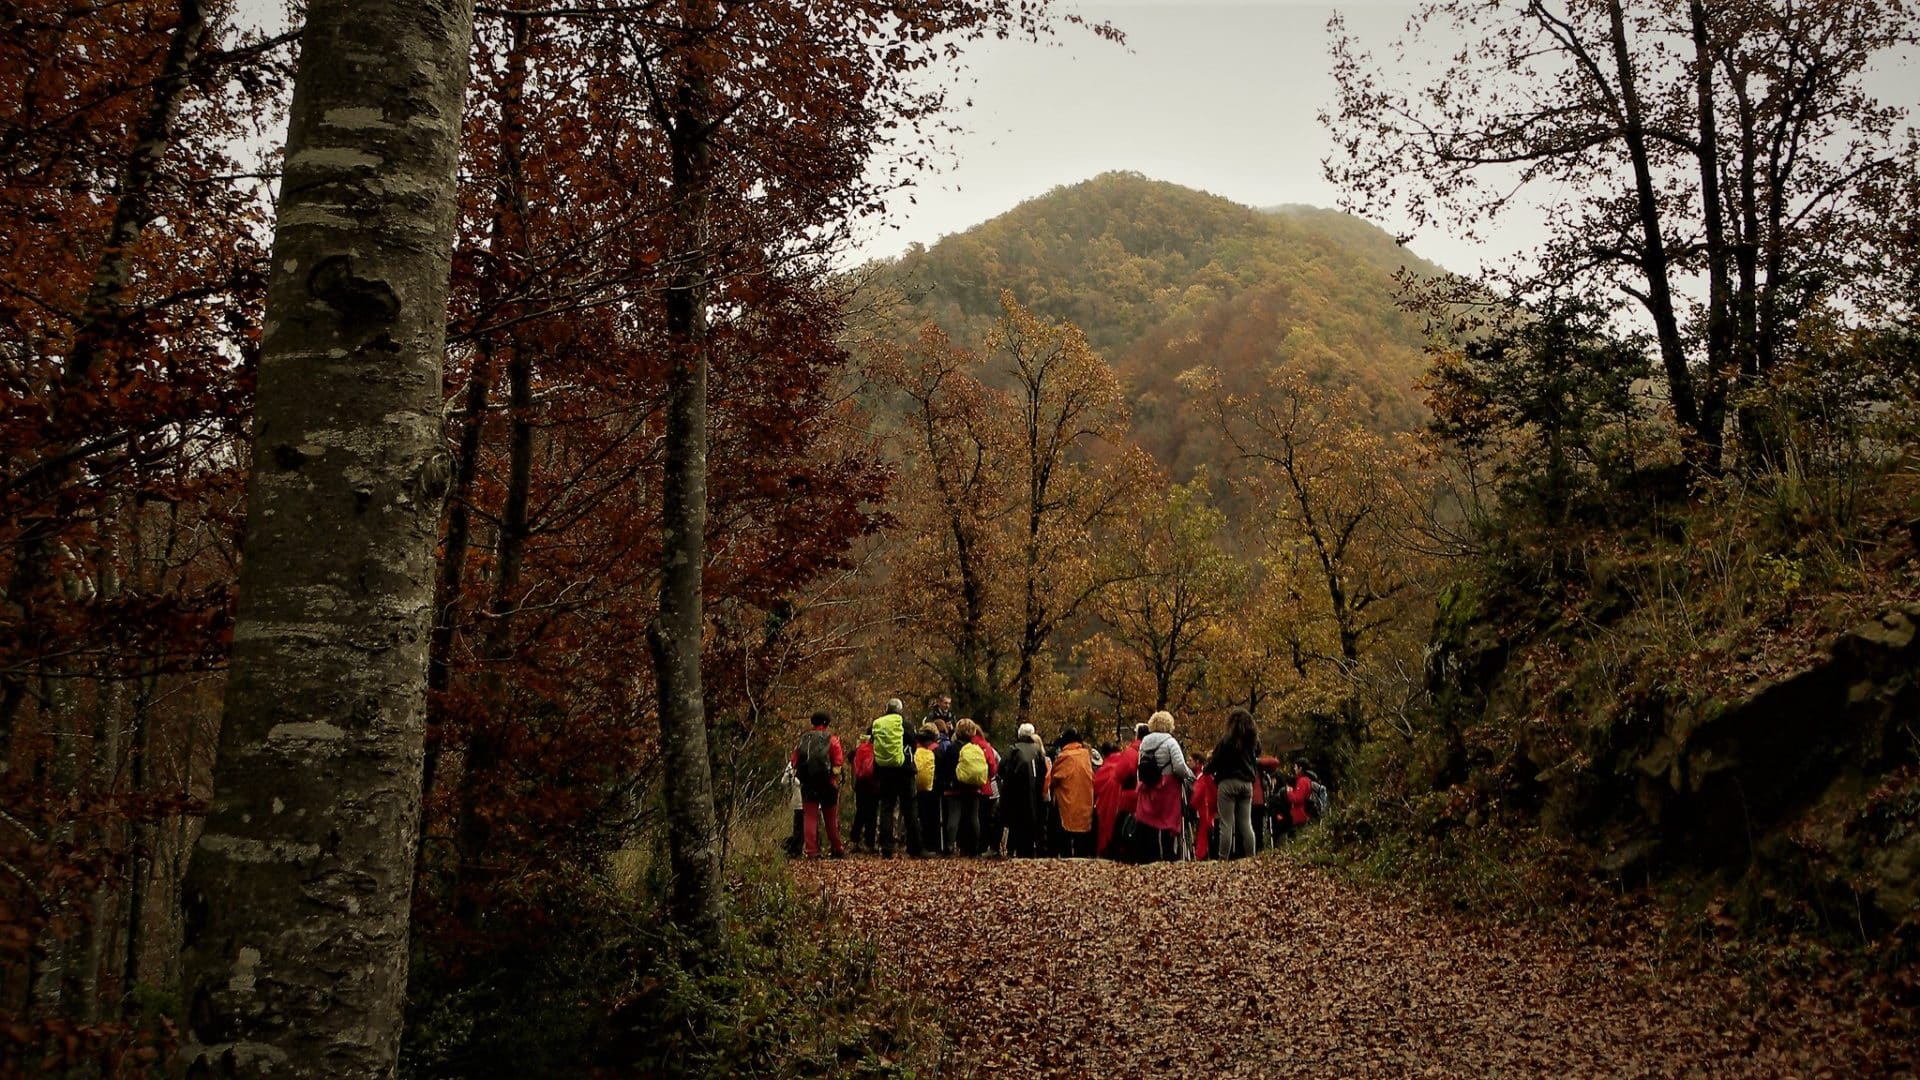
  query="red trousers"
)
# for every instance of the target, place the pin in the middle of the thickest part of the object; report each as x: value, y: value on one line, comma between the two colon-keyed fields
x: 812, y: 827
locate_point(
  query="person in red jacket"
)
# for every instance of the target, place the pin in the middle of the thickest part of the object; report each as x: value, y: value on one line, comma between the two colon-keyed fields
x: 1297, y: 794
x: 866, y: 798
x: 1159, y: 814
x: 1111, y: 781
x: 818, y: 761
x: 1115, y: 794
x: 1204, y: 803
x: 987, y: 835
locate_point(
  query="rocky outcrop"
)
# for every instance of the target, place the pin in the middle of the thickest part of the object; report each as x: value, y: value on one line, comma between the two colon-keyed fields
x: 1808, y: 784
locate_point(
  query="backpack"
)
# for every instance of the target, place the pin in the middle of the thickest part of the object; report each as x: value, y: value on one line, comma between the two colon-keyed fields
x: 863, y: 762
x: 1151, y: 767
x: 1317, y: 799
x: 815, y: 767
x: 971, y: 770
x: 890, y: 741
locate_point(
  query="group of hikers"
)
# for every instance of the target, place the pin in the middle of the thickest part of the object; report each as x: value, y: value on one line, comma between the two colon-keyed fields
x: 944, y: 789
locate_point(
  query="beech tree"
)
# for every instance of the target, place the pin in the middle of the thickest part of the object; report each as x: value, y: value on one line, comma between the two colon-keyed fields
x: 297, y: 896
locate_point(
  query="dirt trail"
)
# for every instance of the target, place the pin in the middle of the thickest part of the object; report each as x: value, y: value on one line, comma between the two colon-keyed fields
x: 1271, y: 969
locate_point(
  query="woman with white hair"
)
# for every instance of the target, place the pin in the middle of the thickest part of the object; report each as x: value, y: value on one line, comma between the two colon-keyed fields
x: 1023, y: 783
x: 1164, y: 774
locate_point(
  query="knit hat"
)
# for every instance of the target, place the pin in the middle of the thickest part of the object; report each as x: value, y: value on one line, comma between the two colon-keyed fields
x: 1027, y: 732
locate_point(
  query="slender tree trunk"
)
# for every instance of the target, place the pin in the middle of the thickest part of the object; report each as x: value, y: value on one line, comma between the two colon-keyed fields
x: 487, y: 744
x: 297, y: 895
x: 57, y: 946
x: 453, y: 553
x: 679, y: 628
x: 1030, y: 637
x: 1723, y: 368
x: 1023, y: 680
x: 459, y: 537
x: 1746, y: 260
x: 144, y: 836
x: 1653, y: 253
x: 99, y: 329
x: 99, y: 977
x: 486, y: 747
x: 971, y: 694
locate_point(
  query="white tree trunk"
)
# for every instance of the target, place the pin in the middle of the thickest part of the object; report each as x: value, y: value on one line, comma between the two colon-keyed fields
x: 297, y: 897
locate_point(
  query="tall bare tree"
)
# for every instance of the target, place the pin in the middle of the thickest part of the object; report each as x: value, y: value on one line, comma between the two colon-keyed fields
x: 1718, y: 161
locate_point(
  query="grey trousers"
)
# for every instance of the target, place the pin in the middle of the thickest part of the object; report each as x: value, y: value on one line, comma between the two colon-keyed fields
x: 1236, y: 819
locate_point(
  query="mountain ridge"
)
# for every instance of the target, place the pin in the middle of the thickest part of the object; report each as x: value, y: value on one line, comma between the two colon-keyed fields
x: 1163, y: 279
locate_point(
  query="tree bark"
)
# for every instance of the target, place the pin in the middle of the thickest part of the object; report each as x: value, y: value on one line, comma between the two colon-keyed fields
x: 297, y: 896
x: 679, y: 627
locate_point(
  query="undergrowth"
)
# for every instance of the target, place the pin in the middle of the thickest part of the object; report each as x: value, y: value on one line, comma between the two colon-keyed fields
x: 608, y: 987
x: 1573, y: 658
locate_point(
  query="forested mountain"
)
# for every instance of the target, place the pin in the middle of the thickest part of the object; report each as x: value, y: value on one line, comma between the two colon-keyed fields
x: 1164, y: 279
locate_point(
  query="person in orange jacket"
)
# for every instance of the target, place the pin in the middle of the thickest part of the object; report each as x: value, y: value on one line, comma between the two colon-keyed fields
x: 1070, y: 786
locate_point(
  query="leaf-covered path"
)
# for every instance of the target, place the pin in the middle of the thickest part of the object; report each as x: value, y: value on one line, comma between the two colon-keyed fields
x: 1269, y: 968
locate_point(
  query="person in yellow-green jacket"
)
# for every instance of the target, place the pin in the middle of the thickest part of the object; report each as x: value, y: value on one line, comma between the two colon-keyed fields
x: 929, y: 799
x: 894, y: 766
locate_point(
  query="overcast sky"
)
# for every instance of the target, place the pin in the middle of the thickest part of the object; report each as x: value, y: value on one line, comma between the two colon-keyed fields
x: 1223, y: 96
x: 1220, y: 95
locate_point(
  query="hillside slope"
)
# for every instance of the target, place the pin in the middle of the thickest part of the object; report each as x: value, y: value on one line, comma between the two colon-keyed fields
x: 1164, y: 279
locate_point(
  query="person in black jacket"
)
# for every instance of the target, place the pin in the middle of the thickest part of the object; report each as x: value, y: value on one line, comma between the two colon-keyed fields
x: 1232, y: 766
x: 1023, y: 775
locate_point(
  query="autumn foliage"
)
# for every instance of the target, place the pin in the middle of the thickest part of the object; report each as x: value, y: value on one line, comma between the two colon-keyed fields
x: 1543, y: 564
